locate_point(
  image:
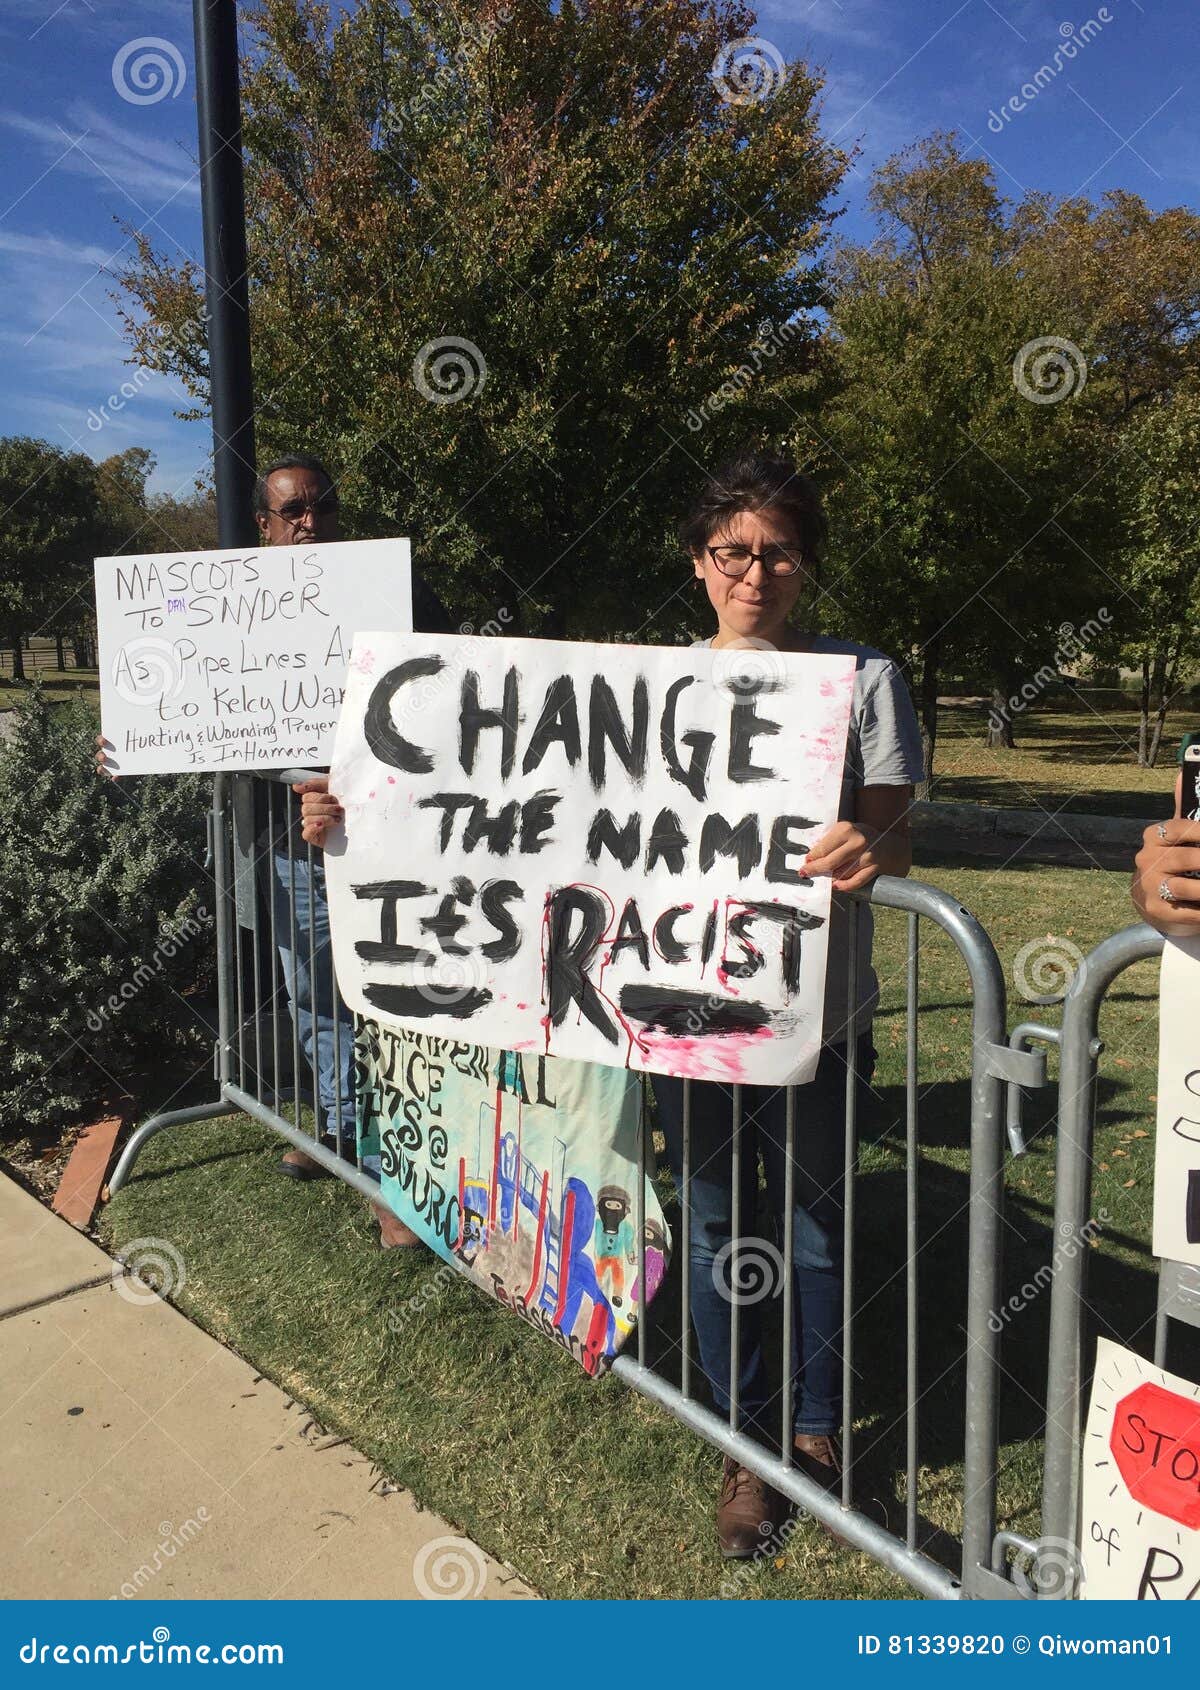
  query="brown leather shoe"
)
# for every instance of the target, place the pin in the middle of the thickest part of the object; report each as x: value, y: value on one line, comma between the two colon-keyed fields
x: 393, y: 1234
x: 296, y: 1165
x: 818, y: 1458
x: 749, y: 1513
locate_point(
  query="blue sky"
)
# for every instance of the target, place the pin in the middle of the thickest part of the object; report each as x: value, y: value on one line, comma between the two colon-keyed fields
x: 81, y: 159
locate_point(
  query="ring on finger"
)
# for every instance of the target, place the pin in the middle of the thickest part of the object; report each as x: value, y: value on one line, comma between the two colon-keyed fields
x: 1165, y: 892
x: 1162, y: 830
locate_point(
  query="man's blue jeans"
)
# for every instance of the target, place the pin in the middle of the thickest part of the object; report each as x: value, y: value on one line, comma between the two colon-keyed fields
x: 819, y: 1153
x: 315, y: 1006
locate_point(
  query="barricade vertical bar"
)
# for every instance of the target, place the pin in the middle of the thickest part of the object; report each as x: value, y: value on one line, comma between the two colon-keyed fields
x: 314, y: 1048
x: 1078, y: 1050
x: 256, y: 964
x: 912, y: 1278
x: 294, y: 939
x: 277, y: 981
x: 643, y: 1303
x: 848, y: 1199
x: 335, y: 1004
x: 735, y: 1263
x: 789, y: 1275
x: 225, y: 914
x: 685, y: 1299
x: 238, y: 967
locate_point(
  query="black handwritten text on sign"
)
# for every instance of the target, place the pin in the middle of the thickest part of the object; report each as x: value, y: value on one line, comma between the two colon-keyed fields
x: 592, y: 851
x: 237, y: 659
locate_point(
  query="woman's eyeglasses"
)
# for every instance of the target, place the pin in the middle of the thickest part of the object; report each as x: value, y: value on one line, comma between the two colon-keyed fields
x: 738, y: 560
x: 295, y: 509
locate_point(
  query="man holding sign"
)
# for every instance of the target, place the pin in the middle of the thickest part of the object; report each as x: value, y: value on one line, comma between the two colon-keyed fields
x: 296, y: 506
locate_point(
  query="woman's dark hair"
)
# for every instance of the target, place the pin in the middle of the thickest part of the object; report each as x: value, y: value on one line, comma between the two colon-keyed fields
x: 295, y: 460
x: 757, y: 481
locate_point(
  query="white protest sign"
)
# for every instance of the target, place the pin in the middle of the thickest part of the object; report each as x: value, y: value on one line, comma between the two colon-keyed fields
x: 237, y: 659
x: 1139, y: 1525
x: 1176, y: 1234
x: 587, y: 850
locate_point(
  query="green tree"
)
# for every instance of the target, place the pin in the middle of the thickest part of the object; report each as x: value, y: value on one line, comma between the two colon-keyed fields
x: 561, y: 191
x: 1162, y: 563
x: 51, y: 523
x: 963, y: 502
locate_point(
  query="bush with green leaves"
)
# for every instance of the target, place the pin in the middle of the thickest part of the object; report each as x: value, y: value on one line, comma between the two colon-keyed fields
x: 106, y: 918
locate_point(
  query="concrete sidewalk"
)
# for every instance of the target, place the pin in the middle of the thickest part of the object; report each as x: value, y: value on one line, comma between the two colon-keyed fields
x: 138, y: 1457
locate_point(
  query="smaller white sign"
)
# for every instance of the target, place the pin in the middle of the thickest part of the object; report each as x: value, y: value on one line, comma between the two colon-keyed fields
x: 1139, y: 1523
x: 237, y: 659
x: 1177, y: 1141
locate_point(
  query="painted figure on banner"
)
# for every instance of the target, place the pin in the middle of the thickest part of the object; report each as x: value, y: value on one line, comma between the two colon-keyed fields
x: 523, y: 1169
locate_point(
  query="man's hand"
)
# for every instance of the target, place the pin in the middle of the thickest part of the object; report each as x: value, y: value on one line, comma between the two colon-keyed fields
x: 319, y: 809
x: 1169, y: 851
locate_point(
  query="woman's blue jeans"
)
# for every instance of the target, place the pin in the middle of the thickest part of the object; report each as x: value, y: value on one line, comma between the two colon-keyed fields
x: 718, y: 1275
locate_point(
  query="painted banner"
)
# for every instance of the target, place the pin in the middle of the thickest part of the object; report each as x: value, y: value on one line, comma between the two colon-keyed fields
x: 525, y: 1170
x: 1139, y: 1529
x: 589, y: 851
x: 1176, y: 1235
x: 237, y: 659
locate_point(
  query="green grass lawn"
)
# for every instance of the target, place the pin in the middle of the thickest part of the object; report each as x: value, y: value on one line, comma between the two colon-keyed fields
x: 58, y: 685
x: 589, y: 1490
x: 1077, y: 759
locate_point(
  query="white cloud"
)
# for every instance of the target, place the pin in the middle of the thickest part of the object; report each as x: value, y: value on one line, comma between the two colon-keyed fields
x: 90, y: 144
x: 52, y: 249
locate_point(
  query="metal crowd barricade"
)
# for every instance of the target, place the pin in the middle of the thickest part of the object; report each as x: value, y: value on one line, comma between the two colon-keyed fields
x: 263, y: 1071
x: 1080, y: 1050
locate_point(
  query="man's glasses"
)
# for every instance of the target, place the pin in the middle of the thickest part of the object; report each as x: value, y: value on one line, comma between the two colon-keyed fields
x: 738, y: 560
x: 295, y: 509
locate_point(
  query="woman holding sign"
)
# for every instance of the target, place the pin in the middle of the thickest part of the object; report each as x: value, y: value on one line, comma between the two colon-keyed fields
x: 755, y: 536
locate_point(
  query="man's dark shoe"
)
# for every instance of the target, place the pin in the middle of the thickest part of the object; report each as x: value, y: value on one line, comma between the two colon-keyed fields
x: 296, y: 1165
x: 749, y: 1513
x: 818, y: 1458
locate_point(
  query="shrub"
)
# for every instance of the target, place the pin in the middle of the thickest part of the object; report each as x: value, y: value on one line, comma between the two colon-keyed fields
x: 106, y: 916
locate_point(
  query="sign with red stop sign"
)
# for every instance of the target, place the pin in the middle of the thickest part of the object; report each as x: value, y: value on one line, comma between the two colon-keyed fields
x: 1155, y: 1441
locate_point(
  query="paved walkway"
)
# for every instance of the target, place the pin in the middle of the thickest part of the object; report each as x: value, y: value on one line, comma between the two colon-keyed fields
x: 140, y: 1458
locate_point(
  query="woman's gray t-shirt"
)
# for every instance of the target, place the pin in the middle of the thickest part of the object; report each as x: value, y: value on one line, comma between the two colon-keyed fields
x: 883, y: 748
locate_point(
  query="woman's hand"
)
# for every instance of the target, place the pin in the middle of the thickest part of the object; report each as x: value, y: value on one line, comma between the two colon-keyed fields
x: 319, y: 809
x: 849, y: 853
x: 1169, y: 850
x: 103, y: 747
x: 876, y: 842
